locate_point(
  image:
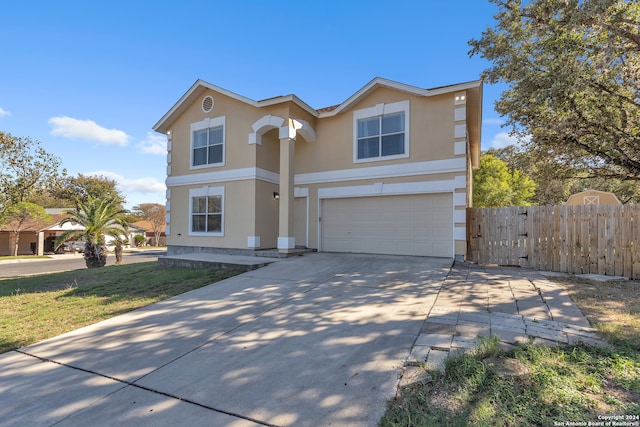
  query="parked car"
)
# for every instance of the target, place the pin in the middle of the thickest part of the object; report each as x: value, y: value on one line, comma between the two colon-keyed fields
x: 69, y: 247
x: 77, y: 246
x: 63, y: 249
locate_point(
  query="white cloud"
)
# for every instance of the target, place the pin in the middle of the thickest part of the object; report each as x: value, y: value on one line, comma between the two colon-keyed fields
x: 148, y: 186
x: 87, y: 130
x: 154, y: 144
x: 503, y: 139
x: 4, y: 113
x: 492, y: 121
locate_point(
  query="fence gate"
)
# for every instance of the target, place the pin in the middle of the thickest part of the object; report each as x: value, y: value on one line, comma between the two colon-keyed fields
x: 599, y: 239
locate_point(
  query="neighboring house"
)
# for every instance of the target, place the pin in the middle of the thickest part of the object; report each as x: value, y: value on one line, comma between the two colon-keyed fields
x: 387, y: 171
x: 48, y: 235
x: 592, y: 197
x: 131, y: 233
x: 25, y: 245
x: 134, y: 231
x: 146, y: 229
x: 39, y: 240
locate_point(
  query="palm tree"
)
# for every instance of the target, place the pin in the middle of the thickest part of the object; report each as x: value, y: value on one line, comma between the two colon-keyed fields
x: 118, y: 242
x: 100, y: 218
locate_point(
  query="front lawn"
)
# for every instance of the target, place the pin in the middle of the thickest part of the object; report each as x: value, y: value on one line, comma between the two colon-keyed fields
x: 540, y: 386
x: 39, y: 307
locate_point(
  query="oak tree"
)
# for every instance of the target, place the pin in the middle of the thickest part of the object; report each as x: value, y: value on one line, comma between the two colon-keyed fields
x: 71, y: 188
x: 25, y: 170
x: 573, y: 73
x: 555, y: 181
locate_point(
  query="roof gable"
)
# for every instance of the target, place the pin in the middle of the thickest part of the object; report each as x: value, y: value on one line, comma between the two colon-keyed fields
x: 603, y: 197
x: 200, y: 86
x: 53, y: 224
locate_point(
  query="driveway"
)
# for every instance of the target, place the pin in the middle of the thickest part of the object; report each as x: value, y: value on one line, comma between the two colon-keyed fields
x: 318, y: 340
x: 308, y: 341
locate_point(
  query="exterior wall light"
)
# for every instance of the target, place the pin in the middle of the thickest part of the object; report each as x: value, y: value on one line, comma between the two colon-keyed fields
x: 276, y: 195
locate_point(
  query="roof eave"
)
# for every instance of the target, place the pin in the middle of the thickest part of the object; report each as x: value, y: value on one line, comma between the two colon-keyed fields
x: 474, y: 122
x: 200, y: 86
x: 288, y: 98
x: 183, y: 103
x: 413, y: 90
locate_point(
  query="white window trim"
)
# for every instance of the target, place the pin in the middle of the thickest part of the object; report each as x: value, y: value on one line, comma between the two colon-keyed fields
x: 204, y: 192
x: 206, y: 124
x: 379, y: 110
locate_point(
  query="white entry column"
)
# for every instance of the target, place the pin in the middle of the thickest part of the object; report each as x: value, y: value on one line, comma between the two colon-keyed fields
x: 286, y: 239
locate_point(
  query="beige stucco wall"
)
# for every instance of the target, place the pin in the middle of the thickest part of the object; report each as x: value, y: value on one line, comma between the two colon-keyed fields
x: 4, y: 244
x: 266, y: 214
x: 24, y: 244
x: 239, y: 209
x: 239, y: 117
x: 268, y: 153
x: 431, y: 134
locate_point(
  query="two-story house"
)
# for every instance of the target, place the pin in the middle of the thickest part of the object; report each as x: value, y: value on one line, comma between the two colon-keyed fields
x: 388, y: 171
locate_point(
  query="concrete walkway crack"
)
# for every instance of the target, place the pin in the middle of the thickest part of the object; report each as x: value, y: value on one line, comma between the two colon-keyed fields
x: 148, y: 389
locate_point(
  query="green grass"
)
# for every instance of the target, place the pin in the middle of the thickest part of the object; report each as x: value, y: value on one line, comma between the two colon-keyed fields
x: 551, y: 385
x: 39, y: 307
x: 559, y: 384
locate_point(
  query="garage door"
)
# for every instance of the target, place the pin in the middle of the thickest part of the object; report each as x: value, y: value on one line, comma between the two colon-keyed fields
x: 399, y: 225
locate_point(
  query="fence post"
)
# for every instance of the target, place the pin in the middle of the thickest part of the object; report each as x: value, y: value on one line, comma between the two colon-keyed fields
x: 522, y: 235
x: 635, y: 253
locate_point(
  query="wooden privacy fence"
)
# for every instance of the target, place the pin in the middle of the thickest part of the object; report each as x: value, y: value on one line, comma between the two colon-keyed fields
x: 599, y: 239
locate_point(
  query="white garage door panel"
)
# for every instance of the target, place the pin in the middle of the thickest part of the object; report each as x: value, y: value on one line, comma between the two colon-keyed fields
x: 399, y: 225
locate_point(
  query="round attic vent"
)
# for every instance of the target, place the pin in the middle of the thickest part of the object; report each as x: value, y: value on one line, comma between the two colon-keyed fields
x: 207, y: 103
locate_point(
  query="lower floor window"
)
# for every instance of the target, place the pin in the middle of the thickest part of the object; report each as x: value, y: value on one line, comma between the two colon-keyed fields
x: 206, y: 214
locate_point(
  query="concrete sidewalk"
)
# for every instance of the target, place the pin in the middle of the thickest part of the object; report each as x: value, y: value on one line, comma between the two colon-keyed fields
x: 50, y: 257
x: 316, y: 340
x: 71, y: 255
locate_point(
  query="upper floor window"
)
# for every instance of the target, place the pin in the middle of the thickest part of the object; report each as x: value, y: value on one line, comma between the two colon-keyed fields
x: 381, y: 132
x: 207, y: 142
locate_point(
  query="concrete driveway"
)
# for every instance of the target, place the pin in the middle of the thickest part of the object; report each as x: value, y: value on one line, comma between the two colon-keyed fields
x: 308, y: 341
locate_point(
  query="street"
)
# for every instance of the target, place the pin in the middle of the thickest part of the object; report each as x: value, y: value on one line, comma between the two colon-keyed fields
x: 68, y: 262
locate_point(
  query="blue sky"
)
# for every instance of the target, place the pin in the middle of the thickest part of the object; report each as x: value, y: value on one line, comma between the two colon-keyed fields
x: 90, y: 79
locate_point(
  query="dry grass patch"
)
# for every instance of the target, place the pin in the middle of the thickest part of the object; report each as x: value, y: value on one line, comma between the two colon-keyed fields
x: 612, y: 307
